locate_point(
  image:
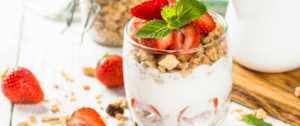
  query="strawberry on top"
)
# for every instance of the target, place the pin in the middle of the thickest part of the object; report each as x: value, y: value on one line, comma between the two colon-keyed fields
x: 171, y: 24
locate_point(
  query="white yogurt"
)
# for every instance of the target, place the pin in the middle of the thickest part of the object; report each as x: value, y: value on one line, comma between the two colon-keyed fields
x: 176, y: 93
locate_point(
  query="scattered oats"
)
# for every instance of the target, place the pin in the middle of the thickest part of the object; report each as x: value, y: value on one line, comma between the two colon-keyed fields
x: 106, y: 116
x: 46, y: 100
x: 238, y: 110
x: 159, y: 81
x: 66, y: 77
x: 24, y: 124
x: 297, y: 91
x: 56, y: 86
x: 101, y: 107
x: 72, y: 93
x: 121, y: 124
x: 98, y: 96
x: 243, y: 114
x: 124, y: 104
x: 49, y: 119
x: 86, y: 87
x: 89, y: 71
x: 62, y: 89
x: 260, y: 114
x: 66, y: 96
x: 186, y: 73
x: 238, y: 118
x: 99, y: 101
x: 55, y: 119
x: 119, y: 116
x: 57, y: 101
x: 32, y: 118
x: 231, y: 112
x: 118, y: 101
x: 72, y: 99
x: 55, y: 108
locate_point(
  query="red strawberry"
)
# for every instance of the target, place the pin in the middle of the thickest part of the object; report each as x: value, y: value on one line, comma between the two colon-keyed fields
x: 172, y: 3
x: 205, y: 23
x: 19, y: 85
x: 110, y: 71
x: 158, y: 43
x: 85, y: 117
x: 187, y: 37
x: 149, y: 10
x: 215, y: 100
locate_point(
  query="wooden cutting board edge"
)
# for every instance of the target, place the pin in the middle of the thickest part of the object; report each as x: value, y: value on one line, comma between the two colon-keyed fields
x: 256, y: 90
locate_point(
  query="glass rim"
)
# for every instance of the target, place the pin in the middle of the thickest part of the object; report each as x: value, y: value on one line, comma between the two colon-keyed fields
x: 212, y: 13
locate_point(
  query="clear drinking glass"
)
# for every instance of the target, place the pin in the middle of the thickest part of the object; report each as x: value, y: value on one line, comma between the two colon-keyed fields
x: 164, y: 90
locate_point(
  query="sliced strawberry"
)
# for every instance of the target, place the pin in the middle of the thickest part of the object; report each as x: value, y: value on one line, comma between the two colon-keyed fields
x: 149, y: 10
x: 187, y: 37
x: 172, y: 3
x: 155, y: 110
x: 205, y: 23
x: 85, y: 117
x: 160, y: 43
x: 135, y: 27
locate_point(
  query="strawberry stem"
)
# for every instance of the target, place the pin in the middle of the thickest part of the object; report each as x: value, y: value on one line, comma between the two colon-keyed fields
x: 106, y: 54
x: 3, y: 75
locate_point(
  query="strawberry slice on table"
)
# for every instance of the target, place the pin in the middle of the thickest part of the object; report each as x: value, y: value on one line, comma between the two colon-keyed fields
x: 149, y: 10
x: 215, y: 100
x: 19, y: 85
x: 205, y: 23
x: 187, y: 37
x: 85, y: 117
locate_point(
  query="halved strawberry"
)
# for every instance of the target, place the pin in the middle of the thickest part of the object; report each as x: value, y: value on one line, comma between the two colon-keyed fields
x: 149, y: 10
x: 205, y: 23
x: 187, y: 37
x: 135, y: 27
x: 85, y: 117
x: 172, y: 3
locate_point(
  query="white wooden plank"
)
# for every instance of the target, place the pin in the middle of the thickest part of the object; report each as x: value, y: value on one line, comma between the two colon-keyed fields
x: 10, y: 25
x: 46, y: 55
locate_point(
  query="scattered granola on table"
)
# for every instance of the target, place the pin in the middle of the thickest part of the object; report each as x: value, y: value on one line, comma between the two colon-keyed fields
x: 86, y: 87
x: 32, y: 118
x: 89, y: 71
x: 260, y: 113
x: 24, y: 124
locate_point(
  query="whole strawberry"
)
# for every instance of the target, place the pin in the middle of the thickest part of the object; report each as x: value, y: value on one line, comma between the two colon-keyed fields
x: 109, y: 71
x: 85, y: 117
x: 19, y: 85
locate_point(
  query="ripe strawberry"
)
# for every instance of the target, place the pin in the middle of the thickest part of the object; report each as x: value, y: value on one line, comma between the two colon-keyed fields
x: 149, y: 10
x: 19, y: 85
x: 187, y: 37
x: 157, y: 43
x: 205, y: 23
x: 110, y: 71
x: 85, y: 117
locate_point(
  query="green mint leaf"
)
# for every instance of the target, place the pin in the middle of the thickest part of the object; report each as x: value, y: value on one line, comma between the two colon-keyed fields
x: 168, y: 14
x: 254, y: 121
x: 154, y: 29
x: 188, y: 10
x: 136, y: 124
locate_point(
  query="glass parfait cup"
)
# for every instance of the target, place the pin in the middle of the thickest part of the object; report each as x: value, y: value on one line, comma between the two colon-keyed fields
x: 179, y: 87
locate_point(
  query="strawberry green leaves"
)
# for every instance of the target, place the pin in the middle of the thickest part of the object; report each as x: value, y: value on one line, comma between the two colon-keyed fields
x: 254, y: 121
x: 183, y: 12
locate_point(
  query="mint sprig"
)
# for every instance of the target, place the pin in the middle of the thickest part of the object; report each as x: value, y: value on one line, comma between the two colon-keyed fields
x: 254, y: 121
x: 183, y: 12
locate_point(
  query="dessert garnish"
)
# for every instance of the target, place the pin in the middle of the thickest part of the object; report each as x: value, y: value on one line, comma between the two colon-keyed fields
x: 85, y: 117
x: 19, y: 85
x: 179, y: 28
x: 254, y: 121
x: 109, y: 70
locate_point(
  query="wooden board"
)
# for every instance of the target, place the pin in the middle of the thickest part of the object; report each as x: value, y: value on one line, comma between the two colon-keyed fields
x: 10, y: 25
x: 272, y: 92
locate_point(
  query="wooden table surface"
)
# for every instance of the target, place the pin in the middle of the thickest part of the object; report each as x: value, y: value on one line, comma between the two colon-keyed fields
x: 34, y: 42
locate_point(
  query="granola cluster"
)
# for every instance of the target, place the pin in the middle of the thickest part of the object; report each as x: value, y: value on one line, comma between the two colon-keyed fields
x: 109, y: 25
x: 169, y: 63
